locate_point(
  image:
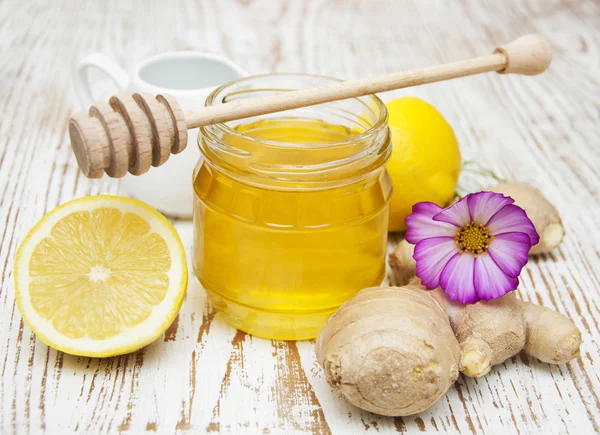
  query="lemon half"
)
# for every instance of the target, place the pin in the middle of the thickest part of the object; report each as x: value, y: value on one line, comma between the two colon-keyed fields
x: 100, y: 276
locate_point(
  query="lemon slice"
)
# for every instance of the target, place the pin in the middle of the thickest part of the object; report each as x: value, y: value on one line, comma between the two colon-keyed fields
x: 100, y: 276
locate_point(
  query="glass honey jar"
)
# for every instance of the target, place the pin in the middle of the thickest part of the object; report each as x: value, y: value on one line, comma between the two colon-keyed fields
x: 291, y: 208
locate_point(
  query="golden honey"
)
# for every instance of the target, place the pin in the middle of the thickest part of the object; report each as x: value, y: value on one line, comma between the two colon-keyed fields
x: 291, y: 211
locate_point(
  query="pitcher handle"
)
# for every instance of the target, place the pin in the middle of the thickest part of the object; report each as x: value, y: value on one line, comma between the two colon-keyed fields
x: 105, y: 64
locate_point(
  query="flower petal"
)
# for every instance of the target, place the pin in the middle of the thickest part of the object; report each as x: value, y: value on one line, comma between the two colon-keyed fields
x: 457, y: 214
x: 512, y: 219
x: 431, y: 256
x: 484, y: 205
x: 420, y: 224
x: 457, y: 278
x: 490, y: 281
x: 509, y: 251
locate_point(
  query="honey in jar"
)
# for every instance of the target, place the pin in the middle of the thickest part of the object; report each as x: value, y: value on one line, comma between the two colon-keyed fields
x: 291, y: 209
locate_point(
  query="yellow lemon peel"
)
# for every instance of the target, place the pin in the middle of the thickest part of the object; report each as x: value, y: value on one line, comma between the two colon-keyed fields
x: 425, y: 161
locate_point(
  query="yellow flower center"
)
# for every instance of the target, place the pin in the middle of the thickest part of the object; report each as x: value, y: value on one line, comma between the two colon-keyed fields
x: 473, y: 238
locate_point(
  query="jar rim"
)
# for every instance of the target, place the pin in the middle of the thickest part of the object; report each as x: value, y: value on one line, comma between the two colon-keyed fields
x: 371, y: 131
x: 361, y: 154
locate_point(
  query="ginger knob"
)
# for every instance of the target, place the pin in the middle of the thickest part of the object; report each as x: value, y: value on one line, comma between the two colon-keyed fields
x: 543, y: 214
x: 390, y: 350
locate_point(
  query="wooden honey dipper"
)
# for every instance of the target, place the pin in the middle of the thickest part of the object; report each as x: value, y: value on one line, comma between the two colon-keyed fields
x: 132, y: 133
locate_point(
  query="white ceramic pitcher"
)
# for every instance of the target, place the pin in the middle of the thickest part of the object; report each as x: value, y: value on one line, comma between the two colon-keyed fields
x: 190, y: 77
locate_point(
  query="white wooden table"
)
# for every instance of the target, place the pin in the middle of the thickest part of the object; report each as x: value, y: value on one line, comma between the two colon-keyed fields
x: 205, y: 376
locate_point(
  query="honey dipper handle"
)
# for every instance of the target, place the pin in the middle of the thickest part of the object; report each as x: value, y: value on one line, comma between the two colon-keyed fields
x: 132, y: 133
x: 528, y: 55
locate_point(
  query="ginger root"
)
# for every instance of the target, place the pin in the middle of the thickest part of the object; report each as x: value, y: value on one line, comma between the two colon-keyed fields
x: 396, y: 350
x: 490, y: 332
x: 404, y: 266
x: 542, y: 213
x: 390, y: 350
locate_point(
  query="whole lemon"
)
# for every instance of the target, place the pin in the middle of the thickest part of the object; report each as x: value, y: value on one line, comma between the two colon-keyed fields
x: 425, y: 161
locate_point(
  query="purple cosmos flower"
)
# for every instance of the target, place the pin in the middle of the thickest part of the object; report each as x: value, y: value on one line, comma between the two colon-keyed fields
x: 474, y: 249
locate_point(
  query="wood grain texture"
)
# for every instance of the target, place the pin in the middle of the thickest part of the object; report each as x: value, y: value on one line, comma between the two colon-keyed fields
x: 204, y: 376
